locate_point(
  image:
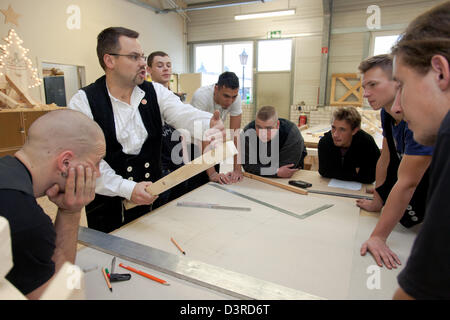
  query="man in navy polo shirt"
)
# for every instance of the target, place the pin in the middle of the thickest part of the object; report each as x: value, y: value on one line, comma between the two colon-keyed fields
x: 402, y: 169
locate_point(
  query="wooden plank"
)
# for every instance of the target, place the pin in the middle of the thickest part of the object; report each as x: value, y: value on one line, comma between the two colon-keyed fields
x: 346, y: 103
x: 370, y: 124
x: 351, y: 90
x: 276, y: 184
x: 22, y: 92
x: 199, y: 164
x: 68, y: 284
x: 8, y: 101
x: 6, y: 261
x: 346, y: 75
x: 333, y: 90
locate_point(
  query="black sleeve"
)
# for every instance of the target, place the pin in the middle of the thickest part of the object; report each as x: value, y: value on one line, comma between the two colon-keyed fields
x: 292, y: 150
x: 329, y: 163
x: 32, y: 241
x: 427, y: 272
x: 368, y: 161
x: 249, y: 161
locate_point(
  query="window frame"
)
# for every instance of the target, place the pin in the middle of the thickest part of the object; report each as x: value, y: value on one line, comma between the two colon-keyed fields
x: 223, y: 44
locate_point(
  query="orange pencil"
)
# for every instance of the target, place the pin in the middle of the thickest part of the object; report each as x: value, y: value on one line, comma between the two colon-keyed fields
x: 164, y: 282
x: 176, y: 244
x: 107, y: 280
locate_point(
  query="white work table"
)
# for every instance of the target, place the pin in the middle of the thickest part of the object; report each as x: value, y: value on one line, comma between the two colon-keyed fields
x: 318, y: 255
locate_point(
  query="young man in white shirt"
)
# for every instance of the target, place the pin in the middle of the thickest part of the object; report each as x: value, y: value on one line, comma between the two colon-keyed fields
x: 159, y: 66
x: 223, y: 97
x: 131, y: 113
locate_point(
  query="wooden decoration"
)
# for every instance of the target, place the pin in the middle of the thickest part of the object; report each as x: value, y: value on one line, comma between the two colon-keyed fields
x: 24, y: 95
x: 17, y: 76
x: 355, y: 90
x: 10, y: 16
x: 8, y: 101
x: 199, y: 164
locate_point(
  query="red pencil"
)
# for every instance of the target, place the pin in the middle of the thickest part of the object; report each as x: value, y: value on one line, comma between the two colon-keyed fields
x: 148, y: 276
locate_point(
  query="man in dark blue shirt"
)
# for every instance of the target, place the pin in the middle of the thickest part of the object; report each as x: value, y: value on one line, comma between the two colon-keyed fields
x: 401, y: 174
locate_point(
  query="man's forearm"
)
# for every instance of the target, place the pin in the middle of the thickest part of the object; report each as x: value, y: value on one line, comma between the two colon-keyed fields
x: 382, y: 165
x: 393, y: 210
x: 66, y: 227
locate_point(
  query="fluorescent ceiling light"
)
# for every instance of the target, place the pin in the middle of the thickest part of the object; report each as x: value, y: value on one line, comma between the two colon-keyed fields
x: 264, y: 15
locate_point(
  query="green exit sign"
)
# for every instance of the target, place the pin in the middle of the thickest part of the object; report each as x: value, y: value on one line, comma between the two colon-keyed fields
x: 274, y: 34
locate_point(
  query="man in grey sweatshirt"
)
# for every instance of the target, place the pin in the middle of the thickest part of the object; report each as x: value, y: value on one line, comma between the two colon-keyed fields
x: 273, y: 146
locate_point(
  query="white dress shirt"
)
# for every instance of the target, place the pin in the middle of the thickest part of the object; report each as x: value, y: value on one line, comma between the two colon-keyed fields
x: 203, y: 99
x: 131, y: 132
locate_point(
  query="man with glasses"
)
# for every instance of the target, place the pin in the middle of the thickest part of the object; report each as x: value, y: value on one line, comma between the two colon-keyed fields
x: 131, y: 113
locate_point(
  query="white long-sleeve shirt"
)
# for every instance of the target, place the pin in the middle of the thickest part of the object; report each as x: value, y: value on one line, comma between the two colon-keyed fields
x: 131, y: 132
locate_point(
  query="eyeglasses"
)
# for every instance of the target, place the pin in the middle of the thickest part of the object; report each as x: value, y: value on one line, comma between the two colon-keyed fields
x: 134, y: 57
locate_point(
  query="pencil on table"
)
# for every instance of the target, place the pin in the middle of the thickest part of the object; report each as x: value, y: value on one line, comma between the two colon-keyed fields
x: 176, y: 244
x: 148, y: 276
x: 107, y: 280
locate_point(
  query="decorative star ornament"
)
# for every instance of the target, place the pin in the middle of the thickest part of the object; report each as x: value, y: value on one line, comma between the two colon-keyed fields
x: 11, y: 16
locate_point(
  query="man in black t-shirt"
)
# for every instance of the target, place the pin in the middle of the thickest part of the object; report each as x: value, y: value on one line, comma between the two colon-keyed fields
x: 421, y: 68
x: 60, y: 159
x: 347, y: 152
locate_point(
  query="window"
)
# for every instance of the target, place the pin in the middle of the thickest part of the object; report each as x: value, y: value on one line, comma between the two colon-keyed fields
x: 212, y: 60
x: 274, y: 55
x: 208, y: 61
x: 383, y: 44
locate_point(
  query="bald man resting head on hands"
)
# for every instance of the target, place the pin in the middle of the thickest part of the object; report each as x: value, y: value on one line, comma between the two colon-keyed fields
x: 60, y: 159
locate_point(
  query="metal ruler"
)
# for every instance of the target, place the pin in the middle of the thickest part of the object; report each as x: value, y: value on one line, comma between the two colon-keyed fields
x: 337, y: 194
x: 228, y: 282
x: 292, y: 214
x: 210, y: 206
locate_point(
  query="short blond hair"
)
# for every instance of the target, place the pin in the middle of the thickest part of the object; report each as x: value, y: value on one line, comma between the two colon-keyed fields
x: 349, y: 114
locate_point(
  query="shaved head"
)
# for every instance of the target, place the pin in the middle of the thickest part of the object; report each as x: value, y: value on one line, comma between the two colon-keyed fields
x: 63, y: 130
x: 58, y: 142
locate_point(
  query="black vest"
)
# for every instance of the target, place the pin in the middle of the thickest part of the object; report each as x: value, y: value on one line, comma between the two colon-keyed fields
x: 145, y: 166
x: 107, y: 213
